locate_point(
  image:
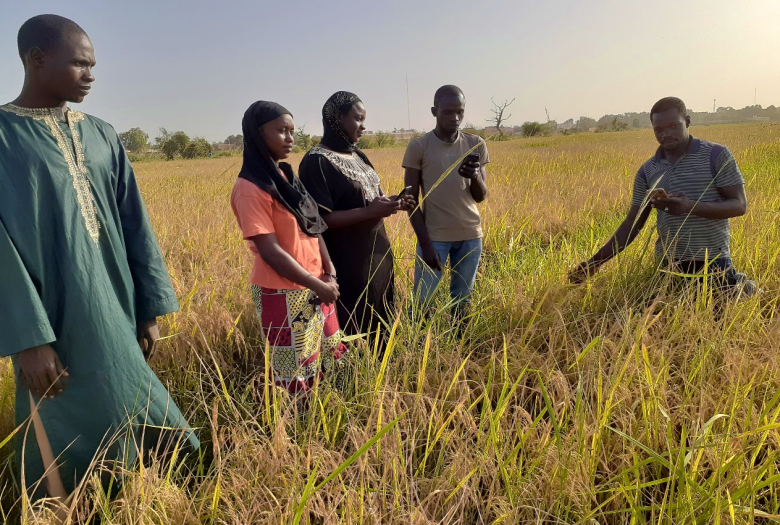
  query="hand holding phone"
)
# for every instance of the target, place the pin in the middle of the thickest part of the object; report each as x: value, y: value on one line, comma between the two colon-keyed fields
x: 402, y: 193
x: 656, y: 193
x: 466, y: 170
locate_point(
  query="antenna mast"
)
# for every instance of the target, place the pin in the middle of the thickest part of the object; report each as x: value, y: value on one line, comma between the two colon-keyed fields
x: 408, y: 113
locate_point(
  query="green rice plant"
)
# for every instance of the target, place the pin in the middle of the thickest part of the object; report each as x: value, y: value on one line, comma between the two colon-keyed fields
x: 628, y: 399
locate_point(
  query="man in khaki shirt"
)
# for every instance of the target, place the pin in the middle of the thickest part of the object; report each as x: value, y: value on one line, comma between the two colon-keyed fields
x: 448, y: 186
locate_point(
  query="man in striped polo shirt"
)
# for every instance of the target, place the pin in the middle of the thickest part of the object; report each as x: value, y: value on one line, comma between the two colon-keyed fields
x: 704, y: 189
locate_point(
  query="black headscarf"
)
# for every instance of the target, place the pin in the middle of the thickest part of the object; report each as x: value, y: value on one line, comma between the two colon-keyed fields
x: 333, y: 136
x: 260, y: 169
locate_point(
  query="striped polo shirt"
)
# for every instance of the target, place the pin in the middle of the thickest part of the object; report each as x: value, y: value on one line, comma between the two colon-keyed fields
x: 698, y: 174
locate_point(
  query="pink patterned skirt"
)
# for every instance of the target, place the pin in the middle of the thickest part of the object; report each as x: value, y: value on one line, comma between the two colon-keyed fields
x: 304, y: 338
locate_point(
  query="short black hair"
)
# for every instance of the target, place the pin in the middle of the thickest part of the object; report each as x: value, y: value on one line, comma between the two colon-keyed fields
x: 667, y: 103
x: 444, y: 91
x: 46, y: 32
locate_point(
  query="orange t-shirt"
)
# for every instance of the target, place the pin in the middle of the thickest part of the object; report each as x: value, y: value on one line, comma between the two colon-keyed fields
x: 258, y: 213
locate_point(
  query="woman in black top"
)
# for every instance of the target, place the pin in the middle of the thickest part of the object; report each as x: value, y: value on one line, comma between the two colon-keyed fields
x: 343, y: 182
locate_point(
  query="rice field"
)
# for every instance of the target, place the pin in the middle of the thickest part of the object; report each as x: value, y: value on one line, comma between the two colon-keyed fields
x: 629, y: 399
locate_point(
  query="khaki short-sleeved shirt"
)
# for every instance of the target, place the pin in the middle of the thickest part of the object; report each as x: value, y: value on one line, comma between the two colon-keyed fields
x: 450, y: 211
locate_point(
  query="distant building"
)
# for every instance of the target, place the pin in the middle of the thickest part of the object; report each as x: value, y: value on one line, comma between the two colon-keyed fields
x: 566, y: 126
x: 398, y: 134
x: 403, y: 134
x: 226, y: 147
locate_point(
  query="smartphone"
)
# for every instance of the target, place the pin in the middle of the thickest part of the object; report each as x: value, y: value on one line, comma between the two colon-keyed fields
x: 313, y: 299
x: 472, y: 157
x: 656, y: 193
x: 403, y: 192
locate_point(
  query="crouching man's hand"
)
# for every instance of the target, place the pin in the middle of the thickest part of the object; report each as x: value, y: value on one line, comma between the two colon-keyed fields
x: 580, y: 273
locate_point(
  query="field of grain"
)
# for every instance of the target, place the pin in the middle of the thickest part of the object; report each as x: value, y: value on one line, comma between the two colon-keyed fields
x: 625, y: 400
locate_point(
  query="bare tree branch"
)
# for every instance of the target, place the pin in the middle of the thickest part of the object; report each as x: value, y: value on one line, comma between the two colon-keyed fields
x: 498, y: 113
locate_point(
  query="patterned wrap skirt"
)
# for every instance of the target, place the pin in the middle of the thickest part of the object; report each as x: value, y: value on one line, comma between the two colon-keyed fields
x: 304, y: 339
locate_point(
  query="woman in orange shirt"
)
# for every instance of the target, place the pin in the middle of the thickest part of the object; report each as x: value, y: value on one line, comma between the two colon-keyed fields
x: 293, y: 280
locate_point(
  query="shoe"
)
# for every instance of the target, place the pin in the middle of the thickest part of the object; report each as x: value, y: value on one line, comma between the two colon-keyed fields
x: 745, y: 286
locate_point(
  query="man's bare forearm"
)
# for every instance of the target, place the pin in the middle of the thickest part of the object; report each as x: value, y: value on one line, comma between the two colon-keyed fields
x: 478, y: 187
x: 417, y: 219
x: 726, y: 209
x: 622, y: 238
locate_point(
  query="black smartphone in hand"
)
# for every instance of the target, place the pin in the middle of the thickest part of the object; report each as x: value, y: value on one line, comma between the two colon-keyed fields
x: 403, y: 192
x: 472, y: 157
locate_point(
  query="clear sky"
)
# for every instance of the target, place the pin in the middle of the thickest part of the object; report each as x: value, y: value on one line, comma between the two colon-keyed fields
x: 195, y: 66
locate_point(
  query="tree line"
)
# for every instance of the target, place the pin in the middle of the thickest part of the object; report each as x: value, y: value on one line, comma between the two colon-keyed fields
x: 178, y: 144
x: 169, y: 144
x: 641, y: 120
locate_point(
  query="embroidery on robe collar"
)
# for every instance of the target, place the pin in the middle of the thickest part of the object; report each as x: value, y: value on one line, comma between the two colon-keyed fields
x: 353, y: 168
x: 76, y: 165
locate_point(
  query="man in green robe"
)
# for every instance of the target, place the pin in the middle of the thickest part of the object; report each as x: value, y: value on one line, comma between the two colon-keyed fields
x: 82, y: 278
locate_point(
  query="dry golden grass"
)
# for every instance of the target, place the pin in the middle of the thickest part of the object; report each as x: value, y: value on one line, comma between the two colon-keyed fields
x: 622, y: 400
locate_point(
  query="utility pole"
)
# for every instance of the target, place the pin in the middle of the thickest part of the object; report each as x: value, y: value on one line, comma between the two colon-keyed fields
x: 408, y: 113
x: 713, y: 105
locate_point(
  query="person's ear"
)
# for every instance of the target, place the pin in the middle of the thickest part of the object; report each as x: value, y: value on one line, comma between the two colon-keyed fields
x: 433, y: 112
x: 34, y: 57
x: 687, y: 121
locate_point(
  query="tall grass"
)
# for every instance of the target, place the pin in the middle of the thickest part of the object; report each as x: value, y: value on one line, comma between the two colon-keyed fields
x: 629, y: 399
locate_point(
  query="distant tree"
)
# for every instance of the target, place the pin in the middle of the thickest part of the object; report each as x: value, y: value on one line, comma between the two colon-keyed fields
x: 234, y: 140
x: 198, y: 147
x: 611, y: 123
x: 170, y: 149
x: 549, y: 127
x: 585, y: 123
x: 532, y: 129
x: 366, y: 142
x: 384, y: 140
x: 498, y: 114
x: 172, y: 144
x: 181, y: 139
x: 468, y: 129
x: 163, y: 136
x: 134, y: 140
x: 303, y: 141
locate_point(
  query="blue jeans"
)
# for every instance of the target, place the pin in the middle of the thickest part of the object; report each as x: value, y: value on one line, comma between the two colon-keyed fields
x: 464, y: 260
x: 721, y: 270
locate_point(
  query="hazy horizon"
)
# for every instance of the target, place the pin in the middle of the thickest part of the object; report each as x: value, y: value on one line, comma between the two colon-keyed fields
x: 197, y: 66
